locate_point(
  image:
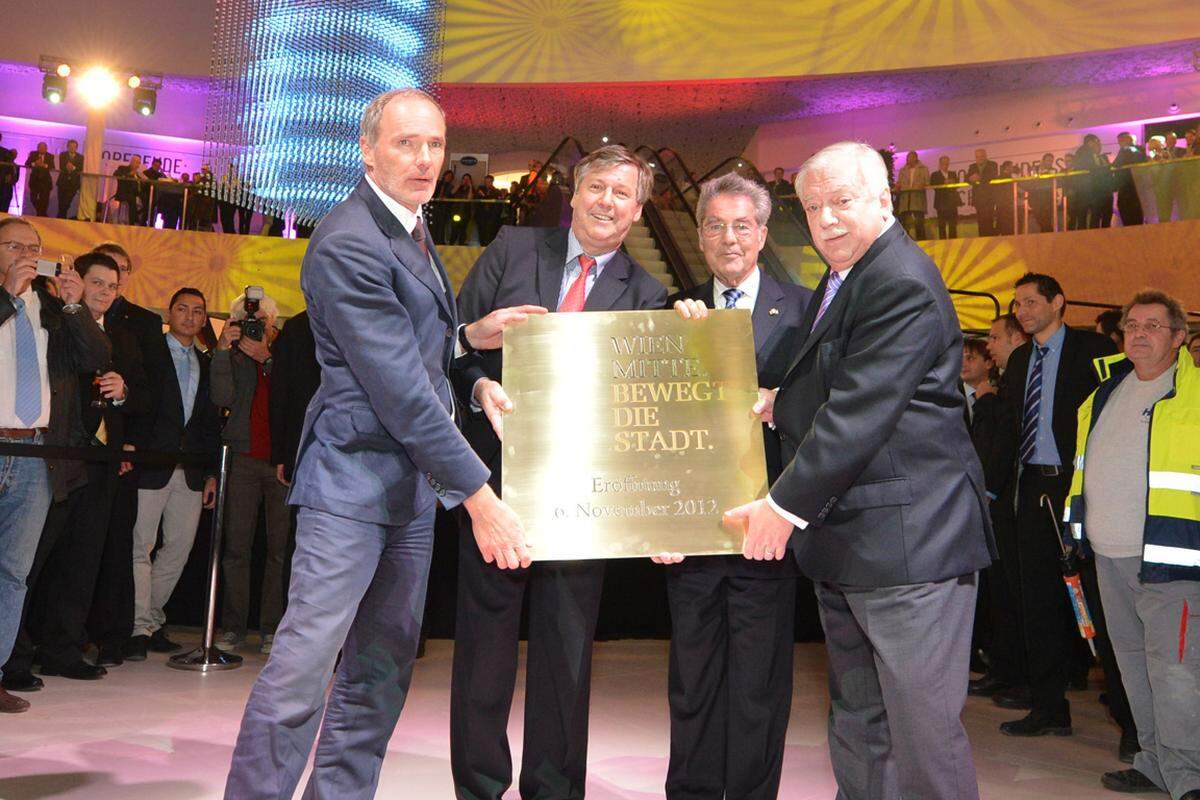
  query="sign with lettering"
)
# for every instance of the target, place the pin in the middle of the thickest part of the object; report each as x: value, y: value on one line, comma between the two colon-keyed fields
x: 631, y: 432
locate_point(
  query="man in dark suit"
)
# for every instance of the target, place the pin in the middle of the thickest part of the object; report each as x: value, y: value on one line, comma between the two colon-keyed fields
x: 48, y: 335
x: 185, y: 420
x: 378, y: 451
x: 579, y: 268
x: 1129, y: 206
x: 980, y: 174
x: 295, y: 378
x: 70, y: 168
x: 945, y: 201
x: 63, y: 577
x: 40, y: 162
x: 732, y: 620
x: 883, y: 489
x: 1040, y: 396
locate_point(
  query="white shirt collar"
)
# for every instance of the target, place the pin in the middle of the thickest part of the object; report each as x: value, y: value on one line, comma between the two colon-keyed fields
x: 749, y: 288
x: 575, y: 249
x: 407, y: 218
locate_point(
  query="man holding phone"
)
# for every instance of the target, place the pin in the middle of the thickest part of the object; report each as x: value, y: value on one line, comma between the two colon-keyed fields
x: 45, y: 342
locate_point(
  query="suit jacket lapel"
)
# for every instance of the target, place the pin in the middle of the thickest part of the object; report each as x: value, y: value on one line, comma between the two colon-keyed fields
x: 551, y: 263
x: 609, y: 287
x: 770, y: 296
x: 404, y: 247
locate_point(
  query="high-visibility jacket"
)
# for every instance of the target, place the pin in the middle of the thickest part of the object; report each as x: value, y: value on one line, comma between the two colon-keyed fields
x: 1171, y: 537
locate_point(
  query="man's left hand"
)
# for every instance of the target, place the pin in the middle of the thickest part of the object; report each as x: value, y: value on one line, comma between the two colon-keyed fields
x: 492, y: 398
x: 691, y: 309
x: 767, y: 533
x: 254, y: 348
x: 112, y: 386
x: 488, y: 333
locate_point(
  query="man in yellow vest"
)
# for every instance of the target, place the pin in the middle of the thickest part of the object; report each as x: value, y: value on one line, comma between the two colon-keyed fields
x: 1135, y: 500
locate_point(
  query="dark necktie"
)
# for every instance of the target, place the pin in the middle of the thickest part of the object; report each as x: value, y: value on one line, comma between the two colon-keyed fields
x: 1033, y: 406
x: 418, y: 235
x: 732, y: 296
x: 831, y: 289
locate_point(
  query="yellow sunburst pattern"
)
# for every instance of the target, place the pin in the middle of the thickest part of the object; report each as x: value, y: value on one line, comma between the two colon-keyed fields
x: 571, y: 41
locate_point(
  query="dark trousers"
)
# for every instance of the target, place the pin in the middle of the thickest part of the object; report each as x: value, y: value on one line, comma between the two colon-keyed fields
x: 985, y: 212
x: 1129, y: 206
x: 6, y: 196
x: 171, y: 212
x: 1077, y: 212
x: 915, y: 219
x: 225, y: 213
x: 947, y: 221
x: 1041, y: 208
x: 39, y: 195
x: 253, y: 483
x: 564, y: 600
x: 1005, y: 646
x: 1118, y: 701
x: 244, y: 215
x: 1050, y: 629
x: 110, y: 623
x: 66, y: 196
x: 730, y: 682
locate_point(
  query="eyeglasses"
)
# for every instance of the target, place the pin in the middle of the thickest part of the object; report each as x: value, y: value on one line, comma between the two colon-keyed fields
x: 742, y: 230
x: 17, y: 248
x: 1149, y: 326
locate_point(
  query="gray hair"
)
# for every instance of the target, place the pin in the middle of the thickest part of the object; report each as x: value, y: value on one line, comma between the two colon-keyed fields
x: 237, y: 311
x: 616, y: 155
x: 870, y: 165
x: 733, y: 184
x: 368, y: 128
x: 1176, y: 317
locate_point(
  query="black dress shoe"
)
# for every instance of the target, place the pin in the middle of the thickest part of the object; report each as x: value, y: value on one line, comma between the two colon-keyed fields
x: 110, y: 656
x: 979, y: 662
x: 1128, y: 747
x: 1128, y: 781
x: 986, y: 686
x: 79, y: 671
x: 23, y: 681
x: 1038, y: 724
x: 135, y: 648
x: 159, y: 643
x: 1017, y: 698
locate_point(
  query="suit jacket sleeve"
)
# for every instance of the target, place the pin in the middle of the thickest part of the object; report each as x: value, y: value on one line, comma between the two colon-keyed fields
x: 222, y: 388
x: 891, y: 347
x: 139, y: 400
x: 373, y: 331
x: 476, y: 299
x: 89, y: 347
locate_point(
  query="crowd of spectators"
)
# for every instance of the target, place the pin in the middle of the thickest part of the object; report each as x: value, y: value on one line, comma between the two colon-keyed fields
x: 82, y: 560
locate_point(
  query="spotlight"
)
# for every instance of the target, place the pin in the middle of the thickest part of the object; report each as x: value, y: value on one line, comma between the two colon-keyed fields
x: 1173, y: 108
x: 63, y: 70
x: 456, y: 218
x: 54, y: 88
x: 604, y: 140
x: 99, y: 87
x: 145, y: 101
x: 134, y: 81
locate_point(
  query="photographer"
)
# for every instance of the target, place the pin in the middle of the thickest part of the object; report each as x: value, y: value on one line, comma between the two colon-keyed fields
x: 241, y: 382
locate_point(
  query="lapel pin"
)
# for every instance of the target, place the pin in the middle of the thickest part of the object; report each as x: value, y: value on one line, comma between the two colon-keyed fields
x: 774, y: 312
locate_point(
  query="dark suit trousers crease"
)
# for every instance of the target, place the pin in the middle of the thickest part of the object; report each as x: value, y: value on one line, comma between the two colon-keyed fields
x: 253, y: 483
x: 898, y: 670
x: 1006, y: 645
x: 111, y: 620
x: 729, y: 684
x: 564, y: 601
x: 1050, y: 630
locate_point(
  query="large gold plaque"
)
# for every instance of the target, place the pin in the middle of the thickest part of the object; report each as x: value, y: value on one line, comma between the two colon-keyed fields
x: 631, y: 432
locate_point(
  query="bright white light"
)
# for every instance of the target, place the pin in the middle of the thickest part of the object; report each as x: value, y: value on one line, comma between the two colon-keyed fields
x: 98, y: 87
x: 134, y: 81
x: 63, y: 70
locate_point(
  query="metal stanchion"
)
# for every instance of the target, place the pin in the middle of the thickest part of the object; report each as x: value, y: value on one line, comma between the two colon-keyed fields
x: 206, y: 657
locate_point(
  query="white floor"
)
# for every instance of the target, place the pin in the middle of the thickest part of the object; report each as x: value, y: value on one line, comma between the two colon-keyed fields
x: 147, y: 732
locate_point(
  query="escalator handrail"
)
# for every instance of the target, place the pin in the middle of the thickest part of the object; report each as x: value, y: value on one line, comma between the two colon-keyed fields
x: 670, y: 180
x: 517, y: 198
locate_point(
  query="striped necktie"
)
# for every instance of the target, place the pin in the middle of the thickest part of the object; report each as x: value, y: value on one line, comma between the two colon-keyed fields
x: 732, y: 296
x: 831, y: 288
x: 28, y: 399
x: 1033, y: 406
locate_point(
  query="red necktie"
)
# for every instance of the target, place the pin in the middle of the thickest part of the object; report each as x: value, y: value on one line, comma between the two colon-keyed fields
x: 577, y: 294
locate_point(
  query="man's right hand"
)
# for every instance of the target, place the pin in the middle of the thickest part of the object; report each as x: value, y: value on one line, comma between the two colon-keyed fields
x: 229, y: 334
x: 488, y: 333
x: 20, y: 276
x: 499, y: 533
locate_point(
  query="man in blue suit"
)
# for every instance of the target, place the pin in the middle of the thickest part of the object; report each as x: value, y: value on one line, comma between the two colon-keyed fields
x: 379, y: 450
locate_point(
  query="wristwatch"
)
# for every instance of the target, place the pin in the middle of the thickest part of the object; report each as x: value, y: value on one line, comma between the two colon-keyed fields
x: 463, y: 341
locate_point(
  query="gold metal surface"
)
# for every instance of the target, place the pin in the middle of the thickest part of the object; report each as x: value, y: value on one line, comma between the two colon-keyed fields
x: 631, y: 432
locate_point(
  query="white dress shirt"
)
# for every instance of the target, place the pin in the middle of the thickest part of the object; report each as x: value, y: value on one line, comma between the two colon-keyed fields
x: 572, y: 269
x: 748, y: 287
x: 408, y: 219
x: 8, y: 364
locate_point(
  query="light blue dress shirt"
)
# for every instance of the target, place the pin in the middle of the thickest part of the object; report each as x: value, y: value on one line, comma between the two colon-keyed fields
x: 1045, y: 450
x: 187, y: 372
x: 574, y: 251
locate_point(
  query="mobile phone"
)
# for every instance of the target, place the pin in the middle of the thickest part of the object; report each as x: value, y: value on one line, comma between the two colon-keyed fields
x: 48, y: 268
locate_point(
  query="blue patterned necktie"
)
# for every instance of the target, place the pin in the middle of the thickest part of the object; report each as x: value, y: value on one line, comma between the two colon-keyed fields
x: 28, y: 401
x: 732, y: 296
x: 831, y: 288
x: 1033, y: 406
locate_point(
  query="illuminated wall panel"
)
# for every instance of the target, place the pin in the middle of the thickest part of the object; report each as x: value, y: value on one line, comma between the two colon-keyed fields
x: 290, y: 79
